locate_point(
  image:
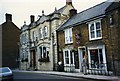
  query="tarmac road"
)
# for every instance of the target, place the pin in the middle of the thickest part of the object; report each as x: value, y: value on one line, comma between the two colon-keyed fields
x: 23, y: 76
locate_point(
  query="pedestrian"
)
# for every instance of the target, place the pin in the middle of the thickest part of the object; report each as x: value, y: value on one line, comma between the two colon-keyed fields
x: 84, y: 65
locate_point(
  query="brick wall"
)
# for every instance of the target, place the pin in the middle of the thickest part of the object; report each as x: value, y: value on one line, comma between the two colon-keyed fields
x: 10, y: 39
x: 110, y: 38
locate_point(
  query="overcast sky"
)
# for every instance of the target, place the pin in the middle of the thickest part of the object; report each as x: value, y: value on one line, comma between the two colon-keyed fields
x: 22, y: 9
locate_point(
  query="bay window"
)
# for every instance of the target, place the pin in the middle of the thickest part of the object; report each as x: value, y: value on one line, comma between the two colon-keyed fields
x: 44, y: 54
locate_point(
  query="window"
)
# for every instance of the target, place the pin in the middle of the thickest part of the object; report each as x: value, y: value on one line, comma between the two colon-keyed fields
x: 68, y: 36
x: 44, y: 54
x: 95, y: 30
x: 45, y: 32
x: 68, y: 57
x: 40, y: 33
x: 111, y: 20
x: 33, y: 36
x: 96, y: 56
x: 23, y: 38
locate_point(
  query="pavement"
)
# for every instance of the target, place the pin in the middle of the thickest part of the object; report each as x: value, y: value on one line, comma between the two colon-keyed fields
x: 76, y: 75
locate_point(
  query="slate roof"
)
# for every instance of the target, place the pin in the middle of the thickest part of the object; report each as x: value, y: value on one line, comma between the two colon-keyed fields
x: 85, y: 15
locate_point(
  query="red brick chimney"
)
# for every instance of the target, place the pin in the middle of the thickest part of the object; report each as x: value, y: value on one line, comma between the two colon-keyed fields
x: 8, y: 17
x: 68, y: 2
x: 32, y: 18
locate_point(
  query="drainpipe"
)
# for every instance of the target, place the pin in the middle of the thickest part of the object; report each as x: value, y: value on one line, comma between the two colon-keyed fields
x: 53, y: 51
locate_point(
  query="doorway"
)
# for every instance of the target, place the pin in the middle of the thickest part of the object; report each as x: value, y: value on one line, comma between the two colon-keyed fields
x: 33, y: 59
x: 81, y: 54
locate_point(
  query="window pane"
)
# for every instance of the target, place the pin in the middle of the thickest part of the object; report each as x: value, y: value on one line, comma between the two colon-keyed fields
x: 45, y: 31
x: 40, y: 33
x: 66, y: 57
x: 44, y: 52
x: 92, y: 34
x: 4, y: 70
x: 66, y: 54
x: 41, y: 55
x: 101, y: 56
x: 67, y: 60
x: 66, y: 36
x: 94, y: 58
x: 92, y: 27
x: 70, y: 39
x: 71, y: 57
x: 98, y: 33
x: 98, y: 26
x: 70, y: 35
x: 111, y: 20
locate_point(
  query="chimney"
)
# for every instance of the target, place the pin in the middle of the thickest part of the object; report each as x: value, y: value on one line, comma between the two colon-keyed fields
x: 8, y: 17
x: 32, y: 18
x: 68, y: 2
x: 72, y: 12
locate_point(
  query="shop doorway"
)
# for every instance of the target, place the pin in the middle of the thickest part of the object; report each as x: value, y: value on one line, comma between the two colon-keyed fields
x: 81, y: 54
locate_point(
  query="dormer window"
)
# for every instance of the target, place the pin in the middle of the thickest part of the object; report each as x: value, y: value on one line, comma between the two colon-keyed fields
x: 95, y: 31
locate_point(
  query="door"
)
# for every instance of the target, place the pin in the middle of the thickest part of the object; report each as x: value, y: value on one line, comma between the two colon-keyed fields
x: 81, y: 56
x: 33, y: 59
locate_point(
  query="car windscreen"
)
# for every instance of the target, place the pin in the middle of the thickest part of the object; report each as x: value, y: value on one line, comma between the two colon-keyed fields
x: 4, y: 70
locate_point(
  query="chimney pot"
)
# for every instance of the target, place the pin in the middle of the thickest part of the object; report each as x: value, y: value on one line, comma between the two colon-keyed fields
x: 8, y: 17
x: 73, y: 12
x: 32, y: 18
x: 68, y: 2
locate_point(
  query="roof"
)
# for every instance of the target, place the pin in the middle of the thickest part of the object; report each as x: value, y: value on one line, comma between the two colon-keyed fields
x: 85, y: 15
x: 59, y: 10
x: 47, y: 17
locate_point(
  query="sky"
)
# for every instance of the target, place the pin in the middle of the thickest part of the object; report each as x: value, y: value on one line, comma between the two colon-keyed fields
x: 22, y: 9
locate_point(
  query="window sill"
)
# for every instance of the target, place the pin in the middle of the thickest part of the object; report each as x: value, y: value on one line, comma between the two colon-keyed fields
x: 69, y: 65
x: 69, y: 43
x: 95, y: 38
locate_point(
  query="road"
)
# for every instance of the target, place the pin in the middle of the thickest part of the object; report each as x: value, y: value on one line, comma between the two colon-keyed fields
x: 22, y: 76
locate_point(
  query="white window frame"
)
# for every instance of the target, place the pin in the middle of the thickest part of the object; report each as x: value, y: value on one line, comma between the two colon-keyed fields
x: 103, y: 54
x: 42, y: 55
x: 65, y: 64
x: 68, y: 36
x: 95, y: 30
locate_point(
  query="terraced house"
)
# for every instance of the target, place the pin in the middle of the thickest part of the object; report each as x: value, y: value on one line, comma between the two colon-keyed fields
x: 93, y: 35
x: 38, y: 41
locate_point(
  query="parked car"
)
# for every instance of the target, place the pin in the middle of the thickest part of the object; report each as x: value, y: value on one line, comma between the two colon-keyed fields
x: 6, y: 74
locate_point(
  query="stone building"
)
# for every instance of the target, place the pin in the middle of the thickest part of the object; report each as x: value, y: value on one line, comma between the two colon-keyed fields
x: 9, y: 43
x: 92, y: 34
x: 38, y: 41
